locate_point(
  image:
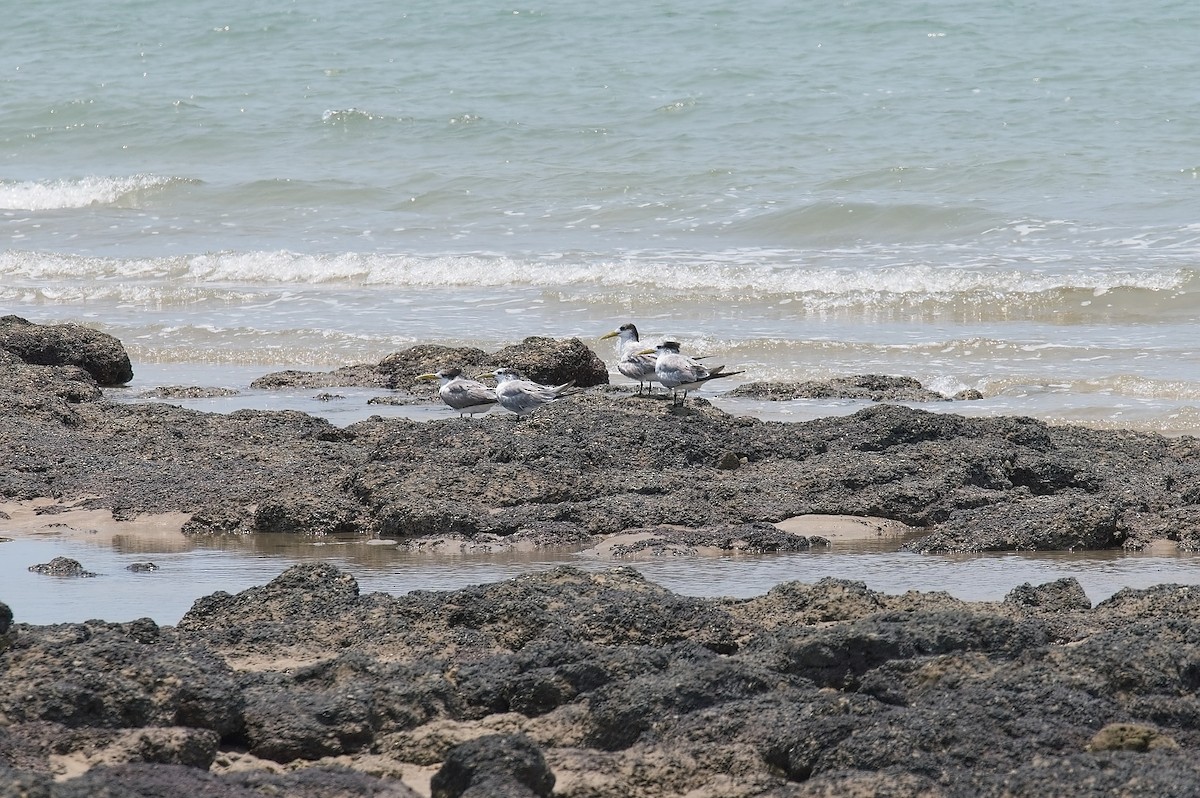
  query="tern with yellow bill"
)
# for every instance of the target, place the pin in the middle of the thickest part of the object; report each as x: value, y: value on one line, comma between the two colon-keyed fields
x: 521, y: 396
x: 632, y: 360
x: 466, y: 396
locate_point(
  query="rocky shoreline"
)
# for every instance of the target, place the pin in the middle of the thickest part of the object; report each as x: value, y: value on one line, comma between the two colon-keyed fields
x: 578, y: 684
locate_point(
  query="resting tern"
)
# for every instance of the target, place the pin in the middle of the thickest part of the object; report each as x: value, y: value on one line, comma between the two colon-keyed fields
x: 466, y: 396
x: 632, y: 360
x: 524, y: 396
x: 676, y: 371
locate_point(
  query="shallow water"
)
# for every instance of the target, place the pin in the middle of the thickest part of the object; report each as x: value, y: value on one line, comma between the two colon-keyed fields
x: 193, y: 567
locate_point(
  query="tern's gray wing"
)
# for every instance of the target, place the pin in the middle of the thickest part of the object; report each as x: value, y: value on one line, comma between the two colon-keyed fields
x: 523, y: 396
x: 637, y: 367
x: 461, y: 394
x: 676, y: 370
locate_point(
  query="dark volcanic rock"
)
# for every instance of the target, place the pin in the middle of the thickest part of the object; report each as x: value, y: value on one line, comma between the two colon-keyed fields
x: 597, y: 463
x: 500, y: 764
x: 507, y: 614
x: 37, y: 741
x: 314, y: 515
x: 397, y: 370
x: 874, y: 387
x: 1062, y: 595
x: 553, y: 362
x: 1061, y: 521
x: 545, y: 360
x: 289, y: 718
x: 275, y: 607
x: 220, y: 520
x: 622, y: 687
x: 403, y: 367
x: 6, y: 618
x: 116, y: 676
x: 43, y: 394
x: 157, y: 457
x: 357, y: 375
x: 173, y: 781
x: 100, y: 354
x: 612, y: 464
x: 319, y: 782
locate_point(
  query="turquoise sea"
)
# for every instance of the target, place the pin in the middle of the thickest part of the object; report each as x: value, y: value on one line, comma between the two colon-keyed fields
x: 1001, y: 195
x: 995, y: 195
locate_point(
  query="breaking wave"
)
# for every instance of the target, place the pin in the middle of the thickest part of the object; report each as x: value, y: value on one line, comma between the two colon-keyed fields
x: 50, y: 195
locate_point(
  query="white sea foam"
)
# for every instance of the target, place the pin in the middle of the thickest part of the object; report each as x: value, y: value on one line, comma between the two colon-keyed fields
x: 671, y: 277
x: 78, y: 193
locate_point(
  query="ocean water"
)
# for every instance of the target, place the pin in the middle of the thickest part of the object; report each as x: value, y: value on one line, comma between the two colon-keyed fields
x: 1002, y: 196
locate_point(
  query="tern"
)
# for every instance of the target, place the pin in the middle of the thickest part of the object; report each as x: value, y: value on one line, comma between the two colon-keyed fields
x: 524, y: 396
x: 675, y: 371
x: 632, y: 359
x: 466, y: 396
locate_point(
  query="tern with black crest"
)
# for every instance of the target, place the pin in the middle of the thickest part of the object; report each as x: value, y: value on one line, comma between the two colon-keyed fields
x: 521, y: 396
x: 676, y: 371
x: 632, y: 359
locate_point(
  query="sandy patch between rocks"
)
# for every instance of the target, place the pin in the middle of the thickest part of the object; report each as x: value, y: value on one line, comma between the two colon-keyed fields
x: 837, y: 528
x: 32, y: 519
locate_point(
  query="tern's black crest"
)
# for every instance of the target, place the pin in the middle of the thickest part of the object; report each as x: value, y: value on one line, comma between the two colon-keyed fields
x: 451, y: 373
x: 630, y: 327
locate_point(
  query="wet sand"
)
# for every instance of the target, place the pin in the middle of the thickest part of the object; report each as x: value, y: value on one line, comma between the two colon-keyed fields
x: 46, y: 517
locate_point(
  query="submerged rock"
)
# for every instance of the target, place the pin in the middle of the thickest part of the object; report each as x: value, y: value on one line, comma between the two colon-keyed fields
x: 665, y: 541
x: 61, y: 566
x: 189, y: 392
x: 873, y: 387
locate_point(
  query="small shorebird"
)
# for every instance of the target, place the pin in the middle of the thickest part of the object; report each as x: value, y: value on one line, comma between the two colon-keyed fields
x: 466, y: 396
x: 632, y: 360
x: 524, y: 396
x: 676, y: 371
